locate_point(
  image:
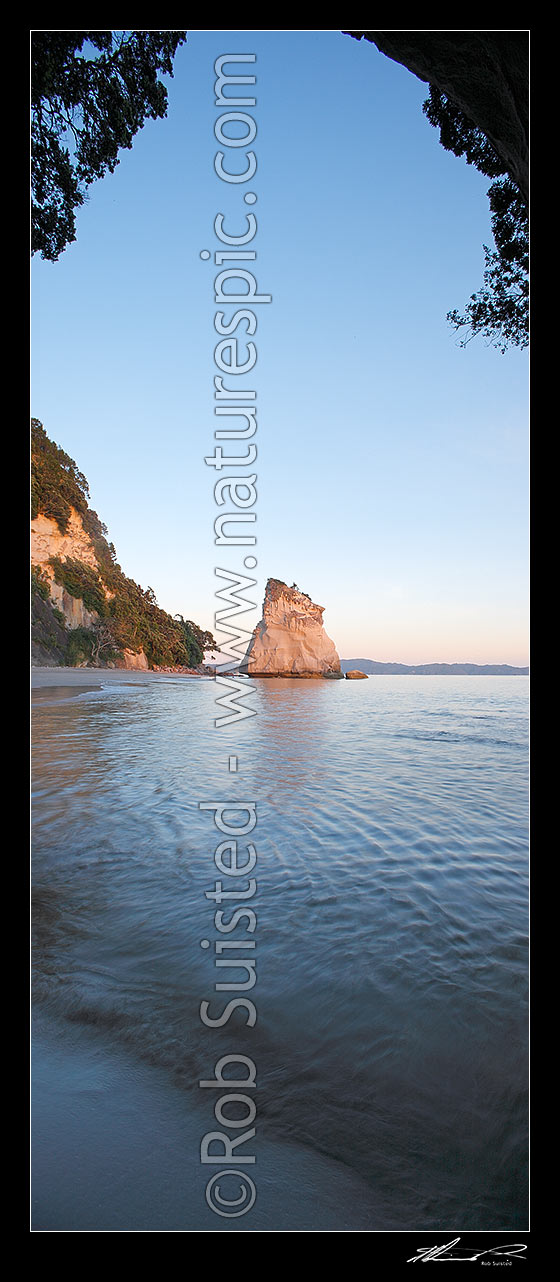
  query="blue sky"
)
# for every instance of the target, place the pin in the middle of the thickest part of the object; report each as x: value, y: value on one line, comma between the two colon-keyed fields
x: 392, y: 464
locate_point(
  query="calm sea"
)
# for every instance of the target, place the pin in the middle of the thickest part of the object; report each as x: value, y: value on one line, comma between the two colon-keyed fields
x: 390, y: 893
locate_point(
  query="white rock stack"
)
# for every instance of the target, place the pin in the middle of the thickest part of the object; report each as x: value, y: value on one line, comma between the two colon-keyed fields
x: 290, y: 640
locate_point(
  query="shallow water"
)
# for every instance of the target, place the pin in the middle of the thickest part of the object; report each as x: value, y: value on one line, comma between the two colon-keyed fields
x: 391, y: 939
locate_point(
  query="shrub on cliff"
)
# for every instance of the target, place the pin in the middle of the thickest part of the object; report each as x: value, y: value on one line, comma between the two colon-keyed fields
x: 40, y: 582
x: 81, y: 581
x: 80, y: 646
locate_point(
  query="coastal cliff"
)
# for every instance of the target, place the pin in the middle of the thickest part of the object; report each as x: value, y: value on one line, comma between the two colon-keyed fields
x: 290, y: 640
x: 50, y: 548
x: 84, y: 609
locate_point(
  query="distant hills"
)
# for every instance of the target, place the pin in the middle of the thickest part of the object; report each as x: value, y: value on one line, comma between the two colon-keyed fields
x: 433, y: 669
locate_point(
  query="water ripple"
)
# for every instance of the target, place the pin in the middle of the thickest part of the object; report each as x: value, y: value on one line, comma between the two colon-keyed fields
x: 391, y: 905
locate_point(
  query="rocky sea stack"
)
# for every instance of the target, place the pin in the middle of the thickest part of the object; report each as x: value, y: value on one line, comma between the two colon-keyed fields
x: 290, y: 640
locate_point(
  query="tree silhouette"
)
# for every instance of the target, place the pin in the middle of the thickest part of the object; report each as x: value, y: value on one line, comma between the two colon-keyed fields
x: 500, y: 310
x: 478, y: 99
x: 91, y: 91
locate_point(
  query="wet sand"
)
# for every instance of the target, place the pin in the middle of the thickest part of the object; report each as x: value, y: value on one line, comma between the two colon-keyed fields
x: 116, y: 1148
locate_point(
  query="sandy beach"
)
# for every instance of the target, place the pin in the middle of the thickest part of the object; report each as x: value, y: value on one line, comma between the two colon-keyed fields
x: 94, y: 677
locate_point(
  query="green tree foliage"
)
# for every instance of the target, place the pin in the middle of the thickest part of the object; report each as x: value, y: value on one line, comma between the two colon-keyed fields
x: 130, y: 615
x: 79, y: 647
x: 195, y: 640
x: 500, y: 310
x: 40, y: 583
x: 81, y: 581
x: 91, y: 91
x: 57, y: 486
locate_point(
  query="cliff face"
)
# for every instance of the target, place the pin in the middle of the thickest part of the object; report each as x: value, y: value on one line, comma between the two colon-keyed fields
x: 49, y: 636
x: 290, y: 640
x: 84, y: 608
x: 47, y: 541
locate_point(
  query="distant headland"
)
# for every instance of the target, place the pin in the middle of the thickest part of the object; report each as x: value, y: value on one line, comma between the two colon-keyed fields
x: 373, y: 668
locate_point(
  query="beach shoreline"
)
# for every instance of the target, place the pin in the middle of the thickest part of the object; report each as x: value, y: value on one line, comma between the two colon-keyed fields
x: 42, y: 677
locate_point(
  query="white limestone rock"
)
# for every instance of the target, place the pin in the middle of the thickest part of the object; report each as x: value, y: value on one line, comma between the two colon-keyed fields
x: 290, y: 640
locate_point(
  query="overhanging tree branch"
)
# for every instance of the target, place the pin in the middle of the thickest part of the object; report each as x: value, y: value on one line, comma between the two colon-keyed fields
x: 478, y: 99
x: 91, y: 91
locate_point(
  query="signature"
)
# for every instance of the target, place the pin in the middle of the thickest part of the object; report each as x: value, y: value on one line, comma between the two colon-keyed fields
x: 451, y: 1251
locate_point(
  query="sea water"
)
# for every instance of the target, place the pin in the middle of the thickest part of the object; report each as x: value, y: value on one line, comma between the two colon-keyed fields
x: 390, y: 941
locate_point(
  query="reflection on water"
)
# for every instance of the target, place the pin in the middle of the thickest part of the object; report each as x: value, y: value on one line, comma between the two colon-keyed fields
x: 391, y: 903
